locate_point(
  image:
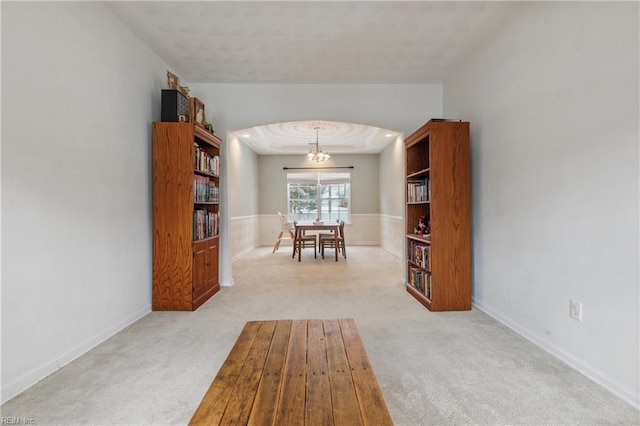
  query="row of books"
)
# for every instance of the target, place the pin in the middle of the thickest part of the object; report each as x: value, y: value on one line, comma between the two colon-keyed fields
x: 205, y: 224
x: 418, y: 190
x: 420, y: 279
x: 205, y: 190
x: 205, y: 162
x: 419, y: 253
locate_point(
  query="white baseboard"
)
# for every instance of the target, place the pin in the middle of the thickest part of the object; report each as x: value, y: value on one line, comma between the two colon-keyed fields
x: 31, y: 378
x: 393, y: 252
x: 569, y: 359
x: 364, y: 243
x: 242, y: 253
x: 226, y: 284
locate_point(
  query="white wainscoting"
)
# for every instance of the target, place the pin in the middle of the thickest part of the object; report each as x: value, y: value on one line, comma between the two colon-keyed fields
x: 244, y: 232
x: 364, y: 230
x: 392, y: 234
x: 269, y: 229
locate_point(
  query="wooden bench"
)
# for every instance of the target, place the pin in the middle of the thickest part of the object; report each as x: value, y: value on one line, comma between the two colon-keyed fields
x: 295, y: 372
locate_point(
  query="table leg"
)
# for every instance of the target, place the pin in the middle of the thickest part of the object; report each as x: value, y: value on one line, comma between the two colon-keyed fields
x: 335, y: 242
x: 295, y: 238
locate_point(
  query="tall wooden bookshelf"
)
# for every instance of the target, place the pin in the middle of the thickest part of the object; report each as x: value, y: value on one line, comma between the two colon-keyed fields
x: 438, y: 190
x: 186, y: 216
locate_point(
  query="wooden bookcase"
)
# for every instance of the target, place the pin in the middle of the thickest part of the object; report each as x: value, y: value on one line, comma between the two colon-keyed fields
x: 186, y: 182
x: 438, y: 188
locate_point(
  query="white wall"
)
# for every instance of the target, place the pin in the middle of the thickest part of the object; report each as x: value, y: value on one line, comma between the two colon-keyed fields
x: 79, y: 93
x: 553, y: 106
x: 392, y: 177
x: 229, y: 107
x: 238, y: 233
x: 364, y: 180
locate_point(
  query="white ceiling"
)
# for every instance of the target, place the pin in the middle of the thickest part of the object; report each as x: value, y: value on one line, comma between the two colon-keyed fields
x: 298, y: 137
x: 316, y: 42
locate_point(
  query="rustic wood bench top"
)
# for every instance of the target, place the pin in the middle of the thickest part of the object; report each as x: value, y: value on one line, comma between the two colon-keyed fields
x: 295, y: 372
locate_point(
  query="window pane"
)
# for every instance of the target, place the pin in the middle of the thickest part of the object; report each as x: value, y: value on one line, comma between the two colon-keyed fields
x: 305, y: 195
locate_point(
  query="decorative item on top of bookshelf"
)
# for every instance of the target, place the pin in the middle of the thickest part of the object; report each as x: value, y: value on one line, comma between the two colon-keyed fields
x: 197, y: 112
x: 184, y: 90
x: 172, y: 80
x: 174, y: 106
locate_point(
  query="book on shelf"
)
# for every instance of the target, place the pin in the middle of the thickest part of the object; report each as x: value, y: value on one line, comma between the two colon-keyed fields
x: 420, y: 280
x: 419, y: 253
x: 205, y: 162
x: 205, y: 190
x: 205, y: 224
x: 418, y: 190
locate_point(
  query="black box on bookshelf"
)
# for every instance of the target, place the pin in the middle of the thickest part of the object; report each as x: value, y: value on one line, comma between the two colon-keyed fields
x: 175, y: 106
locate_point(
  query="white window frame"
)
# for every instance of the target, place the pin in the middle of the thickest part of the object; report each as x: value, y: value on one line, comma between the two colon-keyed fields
x: 322, y: 181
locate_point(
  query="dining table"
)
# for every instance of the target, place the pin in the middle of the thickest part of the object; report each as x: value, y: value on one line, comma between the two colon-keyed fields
x: 302, y: 227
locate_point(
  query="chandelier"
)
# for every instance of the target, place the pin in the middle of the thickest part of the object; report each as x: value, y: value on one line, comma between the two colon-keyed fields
x: 316, y: 154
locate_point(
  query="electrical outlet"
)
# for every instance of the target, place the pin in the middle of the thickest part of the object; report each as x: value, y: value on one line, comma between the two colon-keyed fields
x: 575, y: 310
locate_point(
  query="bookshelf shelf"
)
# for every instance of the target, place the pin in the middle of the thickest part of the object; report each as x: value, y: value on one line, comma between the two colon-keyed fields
x: 420, y: 173
x: 438, y: 265
x: 424, y: 238
x: 186, y: 216
x: 201, y: 173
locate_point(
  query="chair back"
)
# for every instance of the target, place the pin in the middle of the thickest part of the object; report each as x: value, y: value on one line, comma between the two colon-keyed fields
x: 285, y: 225
x: 341, y: 230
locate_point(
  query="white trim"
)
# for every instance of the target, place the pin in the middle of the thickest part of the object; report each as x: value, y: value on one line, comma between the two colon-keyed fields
x: 227, y: 284
x: 390, y: 217
x: 365, y: 214
x: 569, y: 359
x: 395, y: 253
x: 255, y: 216
x: 29, y: 379
x: 242, y: 253
x: 362, y: 243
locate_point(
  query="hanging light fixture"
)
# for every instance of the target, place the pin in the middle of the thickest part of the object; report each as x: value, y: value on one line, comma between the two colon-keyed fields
x: 316, y: 154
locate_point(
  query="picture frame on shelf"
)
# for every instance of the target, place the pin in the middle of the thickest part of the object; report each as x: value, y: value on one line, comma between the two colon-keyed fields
x: 172, y: 81
x: 184, y: 90
x: 197, y: 112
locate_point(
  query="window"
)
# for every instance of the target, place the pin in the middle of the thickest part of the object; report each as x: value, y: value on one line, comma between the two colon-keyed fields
x: 330, y: 191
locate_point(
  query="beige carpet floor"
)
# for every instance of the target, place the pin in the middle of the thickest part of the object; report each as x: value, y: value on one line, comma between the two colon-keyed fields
x: 456, y: 368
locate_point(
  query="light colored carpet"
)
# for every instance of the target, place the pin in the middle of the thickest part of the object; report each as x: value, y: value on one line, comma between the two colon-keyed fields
x: 433, y: 368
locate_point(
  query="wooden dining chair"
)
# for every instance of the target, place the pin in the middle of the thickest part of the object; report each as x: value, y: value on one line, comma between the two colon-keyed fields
x: 286, y: 231
x: 302, y: 241
x: 328, y: 241
x: 326, y: 234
